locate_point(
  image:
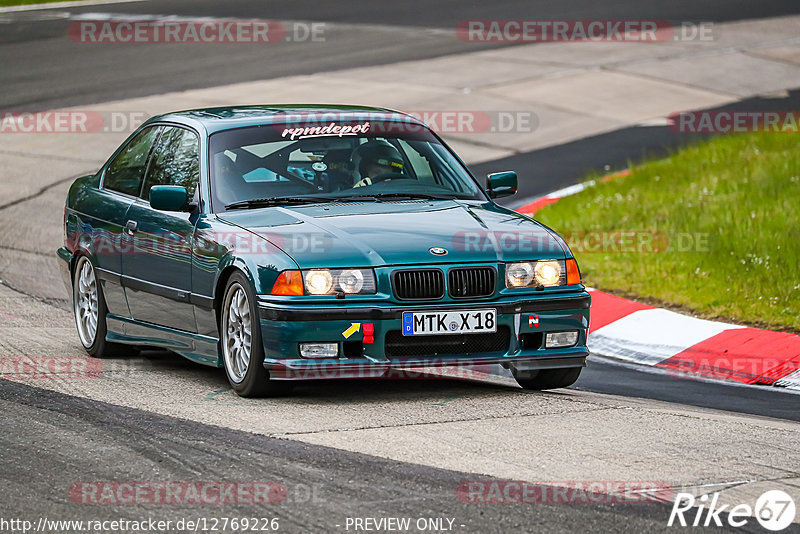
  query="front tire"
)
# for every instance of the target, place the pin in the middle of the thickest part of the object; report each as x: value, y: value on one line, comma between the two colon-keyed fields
x: 242, y: 348
x: 547, y: 378
x: 89, y: 307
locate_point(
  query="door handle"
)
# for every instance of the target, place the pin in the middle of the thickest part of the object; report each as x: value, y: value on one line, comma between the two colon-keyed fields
x: 131, y: 226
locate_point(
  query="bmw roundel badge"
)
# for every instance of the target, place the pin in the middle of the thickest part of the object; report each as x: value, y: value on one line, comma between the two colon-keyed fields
x: 437, y: 251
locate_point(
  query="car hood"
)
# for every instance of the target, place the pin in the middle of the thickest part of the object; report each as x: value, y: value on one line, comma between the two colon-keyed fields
x: 399, y: 233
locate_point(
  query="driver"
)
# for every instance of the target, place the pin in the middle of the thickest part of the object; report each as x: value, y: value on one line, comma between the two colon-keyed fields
x: 378, y: 161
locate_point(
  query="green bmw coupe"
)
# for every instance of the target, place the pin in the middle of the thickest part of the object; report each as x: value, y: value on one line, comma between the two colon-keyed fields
x: 298, y: 242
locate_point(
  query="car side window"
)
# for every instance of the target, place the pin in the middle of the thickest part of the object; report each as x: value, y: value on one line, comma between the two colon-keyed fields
x: 125, y: 173
x: 176, y: 161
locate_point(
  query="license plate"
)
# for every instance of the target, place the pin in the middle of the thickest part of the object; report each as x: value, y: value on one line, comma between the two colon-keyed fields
x: 449, y: 322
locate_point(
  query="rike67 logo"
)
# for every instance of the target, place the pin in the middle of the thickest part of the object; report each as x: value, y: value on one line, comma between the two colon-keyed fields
x: 774, y: 510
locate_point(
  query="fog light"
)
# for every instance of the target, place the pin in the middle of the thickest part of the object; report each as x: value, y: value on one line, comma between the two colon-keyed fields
x: 319, y: 350
x: 555, y: 340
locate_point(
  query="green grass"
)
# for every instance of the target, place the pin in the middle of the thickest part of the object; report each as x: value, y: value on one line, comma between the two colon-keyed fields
x: 736, y: 198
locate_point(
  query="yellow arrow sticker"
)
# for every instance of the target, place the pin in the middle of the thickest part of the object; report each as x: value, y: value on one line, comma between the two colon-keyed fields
x: 354, y: 327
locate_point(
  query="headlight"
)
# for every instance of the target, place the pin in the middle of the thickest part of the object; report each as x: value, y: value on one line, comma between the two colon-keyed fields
x: 351, y: 281
x: 544, y: 273
x: 548, y: 273
x: 325, y: 282
x: 519, y: 274
x: 318, y: 282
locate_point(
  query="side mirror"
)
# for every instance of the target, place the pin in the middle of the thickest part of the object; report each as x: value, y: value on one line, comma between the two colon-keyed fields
x: 168, y: 198
x: 501, y: 184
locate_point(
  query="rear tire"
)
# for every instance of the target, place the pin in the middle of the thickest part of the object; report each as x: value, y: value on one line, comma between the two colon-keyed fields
x: 89, y: 308
x: 240, y: 341
x: 547, y: 378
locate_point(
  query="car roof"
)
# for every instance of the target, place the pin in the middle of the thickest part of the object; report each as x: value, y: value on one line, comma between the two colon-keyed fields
x: 225, y: 118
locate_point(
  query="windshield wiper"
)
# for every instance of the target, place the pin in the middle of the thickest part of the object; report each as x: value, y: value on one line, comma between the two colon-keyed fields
x: 407, y: 196
x: 276, y: 201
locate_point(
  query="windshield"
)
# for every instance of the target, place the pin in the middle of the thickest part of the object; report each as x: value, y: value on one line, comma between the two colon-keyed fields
x: 270, y: 162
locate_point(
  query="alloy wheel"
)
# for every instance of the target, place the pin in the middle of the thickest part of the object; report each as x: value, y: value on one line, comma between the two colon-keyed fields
x: 86, y: 302
x: 237, y: 338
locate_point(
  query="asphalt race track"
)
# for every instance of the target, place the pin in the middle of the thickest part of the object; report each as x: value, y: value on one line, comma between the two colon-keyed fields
x: 343, y: 450
x: 363, y: 33
x: 324, y: 486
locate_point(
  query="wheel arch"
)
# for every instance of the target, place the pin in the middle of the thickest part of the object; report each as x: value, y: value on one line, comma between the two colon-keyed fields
x: 219, y: 290
x: 222, y: 281
x: 84, y: 249
x: 76, y: 257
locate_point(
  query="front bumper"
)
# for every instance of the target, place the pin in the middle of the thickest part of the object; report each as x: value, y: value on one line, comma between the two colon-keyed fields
x: 284, y: 326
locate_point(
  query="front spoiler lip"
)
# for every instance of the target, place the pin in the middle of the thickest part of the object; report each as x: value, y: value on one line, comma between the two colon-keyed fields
x: 273, y: 312
x: 376, y: 369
